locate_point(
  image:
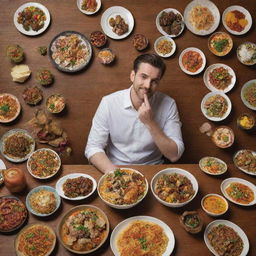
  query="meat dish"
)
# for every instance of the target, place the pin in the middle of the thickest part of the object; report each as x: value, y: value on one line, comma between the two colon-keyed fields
x: 192, y: 61
x: 118, y: 25
x: 236, y: 20
x: 32, y: 95
x: 216, y: 106
x: 246, y: 160
x: 220, y: 78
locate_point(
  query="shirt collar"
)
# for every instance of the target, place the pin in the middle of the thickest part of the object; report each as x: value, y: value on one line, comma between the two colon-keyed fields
x: 127, y: 98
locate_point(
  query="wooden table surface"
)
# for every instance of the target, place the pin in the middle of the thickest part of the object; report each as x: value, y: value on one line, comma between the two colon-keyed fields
x: 185, y: 243
x: 84, y: 90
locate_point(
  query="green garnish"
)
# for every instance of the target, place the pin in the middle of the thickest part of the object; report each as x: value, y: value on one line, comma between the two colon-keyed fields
x: 83, y: 228
x: 118, y: 173
x: 5, y: 108
x: 30, y: 235
x: 143, y: 242
x: 220, y: 45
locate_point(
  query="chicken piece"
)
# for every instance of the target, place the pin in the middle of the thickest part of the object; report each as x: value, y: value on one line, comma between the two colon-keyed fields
x: 56, y: 142
x: 41, y: 117
x: 54, y: 128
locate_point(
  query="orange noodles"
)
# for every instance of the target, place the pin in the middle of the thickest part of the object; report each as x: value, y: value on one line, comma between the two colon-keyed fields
x: 214, y: 204
x: 142, y: 238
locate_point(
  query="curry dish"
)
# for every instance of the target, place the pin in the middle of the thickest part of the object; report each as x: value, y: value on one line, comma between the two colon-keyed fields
x: 9, y: 107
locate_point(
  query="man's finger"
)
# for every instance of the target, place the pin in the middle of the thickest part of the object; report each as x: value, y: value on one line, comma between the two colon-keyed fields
x: 146, y: 100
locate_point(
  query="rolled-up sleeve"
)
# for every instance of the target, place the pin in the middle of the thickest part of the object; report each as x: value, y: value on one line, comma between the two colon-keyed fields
x: 99, y: 133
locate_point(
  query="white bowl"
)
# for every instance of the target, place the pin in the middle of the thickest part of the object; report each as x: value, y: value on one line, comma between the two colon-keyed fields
x: 172, y: 171
x: 123, y: 206
x: 211, y: 213
x: 168, y: 38
x: 194, y: 50
x: 79, y: 5
x: 217, y: 160
x: 244, y: 100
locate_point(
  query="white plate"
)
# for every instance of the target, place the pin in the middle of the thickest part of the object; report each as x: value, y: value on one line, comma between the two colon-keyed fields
x: 240, y: 168
x: 214, y: 10
x: 248, y: 17
x: 122, y: 225
x: 2, y: 165
x: 216, y: 119
x: 225, y: 183
x: 173, y: 46
x: 207, y: 77
x: 246, y: 103
x: 160, y: 29
x: 245, y: 47
x: 32, y: 32
x: 79, y: 6
x: 218, y: 160
x: 232, y: 225
x: 196, y: 50
x: 62, y: 180
x: 112, y: 12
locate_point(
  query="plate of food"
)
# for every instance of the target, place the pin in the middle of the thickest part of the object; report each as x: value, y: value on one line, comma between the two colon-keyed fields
x: 216, y: 106
x: 88, y: 7
x: 164, y: 46
x: 248, y: 94
x: 106, y: 56
x: 170, y: 22
x: 245, y: 160
x: 226, y: 231
x: 219, y: 78
x: 110, y: 191
x: 36, y: 237
x: 202, y: 17
x: 246, y: 53
x: 32, y: 95
x: 43, y: 201
x: 246, y: 121
x: 117, y: 22
x: 212, y: 165
x: 166, y: 190
x: 152, y: 235
x: 55, y: 103
x: 32, y: 18
x: 239, y: 191
x: 223, y: 137
x: 77, y: 51
x: 76, y: 186
x: 140, y: 42
x: 83, y: 229
x: 43, y: 163
x: 192, y: 61
x: 16, y: 145
x: 9, y: 107
x: 220, y: 43
x: 13, y: 213
x: 98, y: 39
x: 191, y: 222
x: 236, y: 20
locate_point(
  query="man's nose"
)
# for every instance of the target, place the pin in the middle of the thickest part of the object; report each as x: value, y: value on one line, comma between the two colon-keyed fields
x: 147, y: 84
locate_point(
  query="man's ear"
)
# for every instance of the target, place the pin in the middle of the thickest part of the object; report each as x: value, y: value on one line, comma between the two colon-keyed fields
x: 132, y: 75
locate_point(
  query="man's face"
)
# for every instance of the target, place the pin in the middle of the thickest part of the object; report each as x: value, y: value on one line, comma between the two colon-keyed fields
x: 145, y: 80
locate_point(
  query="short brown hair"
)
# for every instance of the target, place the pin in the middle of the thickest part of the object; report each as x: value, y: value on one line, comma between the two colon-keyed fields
x: 151, y: 59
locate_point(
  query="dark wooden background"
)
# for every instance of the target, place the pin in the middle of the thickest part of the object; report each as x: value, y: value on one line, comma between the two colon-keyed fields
x: 83, y: 91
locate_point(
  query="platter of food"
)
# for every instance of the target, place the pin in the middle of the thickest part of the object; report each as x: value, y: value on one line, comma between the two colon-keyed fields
x: 16, y: 145
x: 88, y: 7
x: 201, y: 17
x: 248, y: 94
x: 219, y: 78
x: 246, y: 53
x: 239, y: 191
x: 32, y: 18
x: 43, y: 163
x: 226, y: 231
x: 43, y: 201
x: 164, y: 46
x: 117, y: 22
x: 40, y: 235
x: 83, y: 229
x: 216, y: 106
x: 9, y: 107
x: 170, y: 22
x: 152, y: 235
x: 223, y: 137
x: 236, y: 20
x: 212, y: 165
x: 174, y: 187
x: 76, y: 186
x: 110, y: 191
x: 192, y: 61
x: 13, y: 213
x: 245, y: 160
x: 70, y: 51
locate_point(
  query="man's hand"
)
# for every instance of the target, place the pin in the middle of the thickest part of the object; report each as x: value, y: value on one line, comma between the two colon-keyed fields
x: 145, y: 111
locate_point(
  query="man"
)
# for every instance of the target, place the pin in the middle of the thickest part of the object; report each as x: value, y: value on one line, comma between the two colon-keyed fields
x: 138, y: 125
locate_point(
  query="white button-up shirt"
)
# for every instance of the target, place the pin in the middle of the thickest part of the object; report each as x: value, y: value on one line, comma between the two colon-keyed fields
x: 117, y: 130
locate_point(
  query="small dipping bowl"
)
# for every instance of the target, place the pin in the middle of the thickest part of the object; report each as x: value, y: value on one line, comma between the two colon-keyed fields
x: 246, y: 122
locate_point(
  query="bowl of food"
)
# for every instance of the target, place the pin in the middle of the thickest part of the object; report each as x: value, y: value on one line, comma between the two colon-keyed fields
x: 15, y: 53
x: 192, y: 61
x: 106, y: 56
x: 83, y: 229
x: 88, y: 7
x: 43, y: 201
x: 246, y: 53
x: 164, y: 46
x: 174, y: 187
x: 9, y: 108
x: 246, y: 121
x: 214, y: 205
x: 38, y: 236
x: 43, y: 163
x: 133, y: 190
x: 191, y: 222
x: 44, y: 77
x: 140, y: 42
x: 32, y: 95
x: 212, y: 165
x: 223, y: 137
x: 248, y: 94
x: 55, y: 103
x: 98, y: 39
x: 220, y: 43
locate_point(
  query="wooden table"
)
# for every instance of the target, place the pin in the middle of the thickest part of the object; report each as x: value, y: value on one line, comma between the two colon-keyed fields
x: 185, y: 244
x: 84, y: 90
